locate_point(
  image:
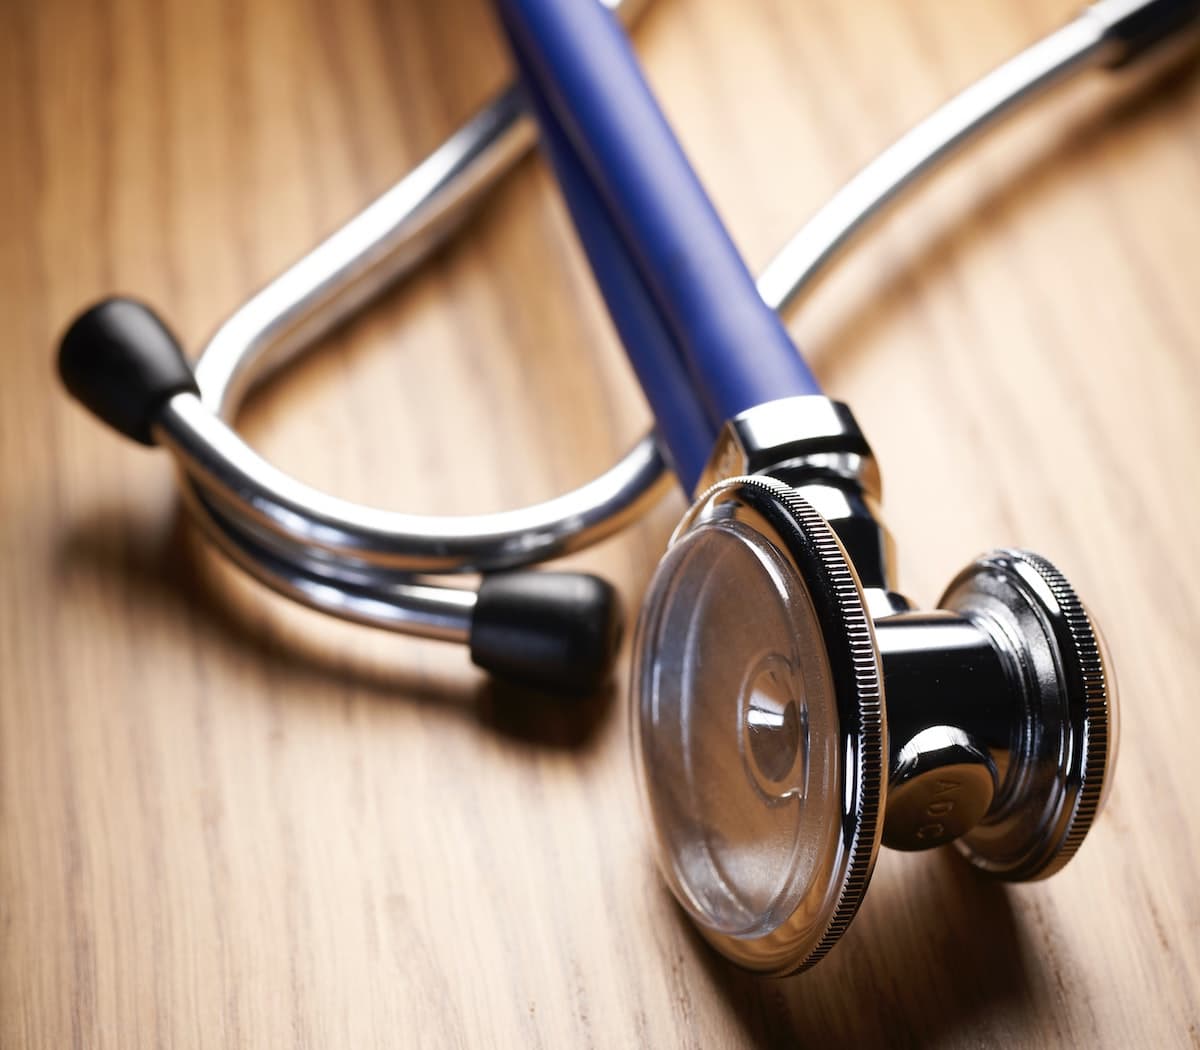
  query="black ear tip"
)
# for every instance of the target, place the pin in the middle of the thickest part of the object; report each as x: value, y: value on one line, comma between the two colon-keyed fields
x: 554, y: 630
x: 122, y: 363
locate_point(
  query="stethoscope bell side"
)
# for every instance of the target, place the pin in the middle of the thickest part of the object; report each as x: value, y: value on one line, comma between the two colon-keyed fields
x: 988, y: 723
x: 1062, y: 749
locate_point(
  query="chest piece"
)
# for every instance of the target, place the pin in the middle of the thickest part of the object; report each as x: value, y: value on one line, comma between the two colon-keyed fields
x: 770, y: 766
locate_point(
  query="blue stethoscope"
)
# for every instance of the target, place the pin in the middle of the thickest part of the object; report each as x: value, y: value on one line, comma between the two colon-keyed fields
x: 791, y: 710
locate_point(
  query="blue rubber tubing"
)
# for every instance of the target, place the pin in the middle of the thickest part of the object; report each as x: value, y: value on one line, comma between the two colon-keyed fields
x: 644, y: 219
x: 685, y: 432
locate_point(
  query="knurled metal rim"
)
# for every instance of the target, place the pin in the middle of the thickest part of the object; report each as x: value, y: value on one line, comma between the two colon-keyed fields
x: 1093, y: 683
x: 842, y: 613
x: 1069, y: 727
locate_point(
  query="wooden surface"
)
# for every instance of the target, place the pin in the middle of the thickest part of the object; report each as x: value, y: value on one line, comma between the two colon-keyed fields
x: 225, y: 821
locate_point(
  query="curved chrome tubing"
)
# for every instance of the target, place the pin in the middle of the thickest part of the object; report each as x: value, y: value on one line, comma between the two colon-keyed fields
x: 360, y: 563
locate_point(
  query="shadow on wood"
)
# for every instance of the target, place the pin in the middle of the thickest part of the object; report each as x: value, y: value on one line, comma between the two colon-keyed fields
x: 178, y: 573
x: 950, y: 962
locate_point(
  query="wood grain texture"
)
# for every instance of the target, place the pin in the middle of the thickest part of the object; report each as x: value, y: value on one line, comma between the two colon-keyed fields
x: 225, y: 821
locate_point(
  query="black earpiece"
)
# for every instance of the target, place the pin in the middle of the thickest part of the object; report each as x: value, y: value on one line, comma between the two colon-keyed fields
x: 123, y: 364
x: 553, y: 630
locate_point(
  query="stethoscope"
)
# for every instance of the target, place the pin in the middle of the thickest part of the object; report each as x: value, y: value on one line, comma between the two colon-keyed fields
x: 791, y: 710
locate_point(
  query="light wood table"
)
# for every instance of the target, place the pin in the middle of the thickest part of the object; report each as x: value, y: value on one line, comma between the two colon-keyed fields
x: 225, y: 821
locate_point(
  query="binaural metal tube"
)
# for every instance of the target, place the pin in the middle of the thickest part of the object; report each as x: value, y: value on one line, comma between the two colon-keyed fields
x: 1079, y: 45
x: 381, y: 245
x: 405, y: 605
x: 249, y: 488
x: 315, y: 537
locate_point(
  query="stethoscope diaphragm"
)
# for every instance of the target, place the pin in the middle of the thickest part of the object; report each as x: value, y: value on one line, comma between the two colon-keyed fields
x: 759, y: 732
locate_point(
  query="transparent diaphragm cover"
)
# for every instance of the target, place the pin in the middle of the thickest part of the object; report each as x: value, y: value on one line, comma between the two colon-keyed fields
x: 736, y: 734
